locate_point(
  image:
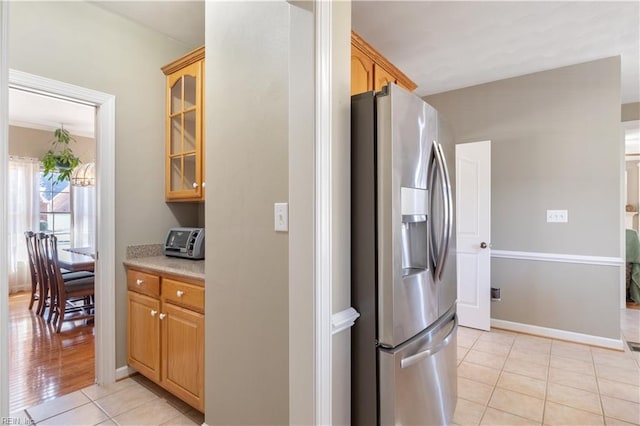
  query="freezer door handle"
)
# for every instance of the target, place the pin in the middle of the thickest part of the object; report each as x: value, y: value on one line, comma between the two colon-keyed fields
x: 415, y: 358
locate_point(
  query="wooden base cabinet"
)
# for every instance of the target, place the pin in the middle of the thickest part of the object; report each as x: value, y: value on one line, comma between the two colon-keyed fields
x: 165, y: 339
x: 143, y: 337
x: 183, y: 354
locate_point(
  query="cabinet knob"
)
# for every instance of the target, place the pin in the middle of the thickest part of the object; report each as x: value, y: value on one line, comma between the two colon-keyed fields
x: 195, y: 185
x: 162, y: 316
x: 204, y: 184
x: 139, y: 282
x: 179, y: 293
x: 153, y: 312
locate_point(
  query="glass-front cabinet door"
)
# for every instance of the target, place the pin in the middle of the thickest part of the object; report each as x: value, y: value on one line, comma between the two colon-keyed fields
x: 184, y: 165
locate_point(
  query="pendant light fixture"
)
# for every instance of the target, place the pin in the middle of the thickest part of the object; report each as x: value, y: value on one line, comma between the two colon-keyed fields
x: 84, y: 175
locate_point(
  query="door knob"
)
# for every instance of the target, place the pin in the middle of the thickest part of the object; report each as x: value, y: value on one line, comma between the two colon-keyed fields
x: 483, y: 245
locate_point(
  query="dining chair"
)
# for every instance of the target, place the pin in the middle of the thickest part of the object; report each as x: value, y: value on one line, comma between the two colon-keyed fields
x: 30, y: 239
x: 79, y: 290
x: 48, y: 291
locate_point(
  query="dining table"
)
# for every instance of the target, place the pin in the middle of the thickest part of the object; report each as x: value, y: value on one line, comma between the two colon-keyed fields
x: 77, y: 259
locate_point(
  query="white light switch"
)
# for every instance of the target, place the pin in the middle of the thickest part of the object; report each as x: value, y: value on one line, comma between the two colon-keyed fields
x: 557, y: 216
x: 281, y: 217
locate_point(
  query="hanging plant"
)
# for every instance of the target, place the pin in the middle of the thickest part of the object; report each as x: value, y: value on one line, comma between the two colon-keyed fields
x: 60, y: 159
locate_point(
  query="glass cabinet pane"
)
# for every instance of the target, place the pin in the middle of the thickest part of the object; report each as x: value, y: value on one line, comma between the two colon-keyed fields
x: 189, y: 171
x: 189, y: 91
x: 176, y: 174
x: 176, y: 134
x: 190, y: 131
x: 176, y: 96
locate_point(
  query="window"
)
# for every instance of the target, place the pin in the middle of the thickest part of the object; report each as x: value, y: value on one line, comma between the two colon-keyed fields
x: 55, y: 209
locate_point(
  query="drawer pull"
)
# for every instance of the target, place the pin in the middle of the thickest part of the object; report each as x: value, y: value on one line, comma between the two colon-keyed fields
x: 179, y: 293
x: 153, y: 312
x: 139, y: 282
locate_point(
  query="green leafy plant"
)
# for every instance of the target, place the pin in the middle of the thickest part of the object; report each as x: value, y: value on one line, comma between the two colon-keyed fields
x: 60, y: 159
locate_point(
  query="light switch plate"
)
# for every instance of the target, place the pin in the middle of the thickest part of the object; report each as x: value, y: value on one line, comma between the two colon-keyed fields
x: 281, y: 217
x: 557, y: 216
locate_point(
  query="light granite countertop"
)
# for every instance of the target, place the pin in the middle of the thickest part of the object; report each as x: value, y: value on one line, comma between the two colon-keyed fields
x: 149, y: 258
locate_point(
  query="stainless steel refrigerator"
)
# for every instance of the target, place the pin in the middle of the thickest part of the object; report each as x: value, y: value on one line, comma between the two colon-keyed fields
x: 403, y: 262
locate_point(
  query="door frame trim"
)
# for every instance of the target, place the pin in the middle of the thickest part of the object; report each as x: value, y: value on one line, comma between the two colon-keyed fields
x: 105, y: 359
x: 4, y: 228
x: 323, y: 209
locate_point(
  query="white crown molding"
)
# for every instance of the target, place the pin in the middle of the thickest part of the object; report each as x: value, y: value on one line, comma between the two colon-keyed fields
x: 555, y: 257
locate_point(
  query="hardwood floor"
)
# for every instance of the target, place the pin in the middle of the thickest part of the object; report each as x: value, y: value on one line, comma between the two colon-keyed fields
x: 43, y: 364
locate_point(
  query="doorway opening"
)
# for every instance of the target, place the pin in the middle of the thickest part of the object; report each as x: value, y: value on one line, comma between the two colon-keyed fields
x: 630, y: 293
x: 104, y: 326
x: 43, y: 363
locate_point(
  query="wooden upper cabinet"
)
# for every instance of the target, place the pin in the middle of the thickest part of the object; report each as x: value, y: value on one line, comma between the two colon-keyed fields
x: 361, y: 71
x: 382, y: 77
x: 184, y: 170
x: 372, y: 71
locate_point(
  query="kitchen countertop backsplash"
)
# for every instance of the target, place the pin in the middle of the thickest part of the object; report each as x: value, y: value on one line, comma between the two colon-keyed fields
x: 150, y: 257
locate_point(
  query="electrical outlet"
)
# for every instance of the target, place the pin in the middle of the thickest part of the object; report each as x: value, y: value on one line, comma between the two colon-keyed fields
x: 557, y: 216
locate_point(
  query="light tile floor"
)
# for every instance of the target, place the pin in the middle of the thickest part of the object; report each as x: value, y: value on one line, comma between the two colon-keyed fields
x: 507, y: 378
x: 133, y: 401
x: 504, y: 378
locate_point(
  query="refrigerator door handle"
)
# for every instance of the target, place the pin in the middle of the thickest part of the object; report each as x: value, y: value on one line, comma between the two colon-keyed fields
x: 433, y: 252
x: 442, y: 247
x: 415, y: 358
x: 448, y: 201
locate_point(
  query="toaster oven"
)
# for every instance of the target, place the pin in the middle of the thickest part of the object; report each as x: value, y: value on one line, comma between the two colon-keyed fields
x: 185, y: 242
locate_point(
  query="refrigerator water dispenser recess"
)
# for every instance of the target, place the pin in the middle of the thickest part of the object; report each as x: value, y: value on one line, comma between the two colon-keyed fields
x: 414, y: 206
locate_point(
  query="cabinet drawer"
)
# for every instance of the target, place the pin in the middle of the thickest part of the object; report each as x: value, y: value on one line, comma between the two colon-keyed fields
x: 183, y: 293
x: 143, y: 282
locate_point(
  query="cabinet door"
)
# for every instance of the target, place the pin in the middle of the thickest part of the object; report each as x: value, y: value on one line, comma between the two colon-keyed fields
x: 381, y: 77
x: 143, y: 335
x: 184, y: 133
x: 361, y: 72
x: 183, y: 354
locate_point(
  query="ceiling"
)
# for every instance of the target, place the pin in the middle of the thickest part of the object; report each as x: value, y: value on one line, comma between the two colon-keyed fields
x: 446, y: 45
x: 36, y: 111
x: 450, y: 45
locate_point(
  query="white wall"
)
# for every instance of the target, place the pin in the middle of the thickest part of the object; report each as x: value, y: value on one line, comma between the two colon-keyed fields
x: 247, y: 297
x: 301, y: 215
x: 34, y: 143
x: 555, y: 145
x: 341, y: 206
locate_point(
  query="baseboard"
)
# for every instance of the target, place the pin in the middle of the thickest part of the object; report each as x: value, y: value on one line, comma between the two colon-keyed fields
x: 124, y: 372
x: 554, y: 333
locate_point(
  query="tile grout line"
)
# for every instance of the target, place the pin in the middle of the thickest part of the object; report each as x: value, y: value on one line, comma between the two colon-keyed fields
x: 595, y: 372
x: 486, y: 407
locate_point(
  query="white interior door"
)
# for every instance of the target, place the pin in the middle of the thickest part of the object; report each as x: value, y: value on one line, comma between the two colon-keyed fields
x: 473, y: 219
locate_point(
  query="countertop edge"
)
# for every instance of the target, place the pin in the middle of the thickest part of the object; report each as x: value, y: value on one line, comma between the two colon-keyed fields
x: 159, y: 264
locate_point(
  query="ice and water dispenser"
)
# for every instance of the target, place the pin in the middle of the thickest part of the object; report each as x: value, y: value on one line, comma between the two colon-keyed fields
x: 414, y: 207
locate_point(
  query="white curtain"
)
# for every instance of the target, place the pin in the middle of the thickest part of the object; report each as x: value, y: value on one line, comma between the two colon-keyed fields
x: 84, y: 216
x: 24, y: 212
